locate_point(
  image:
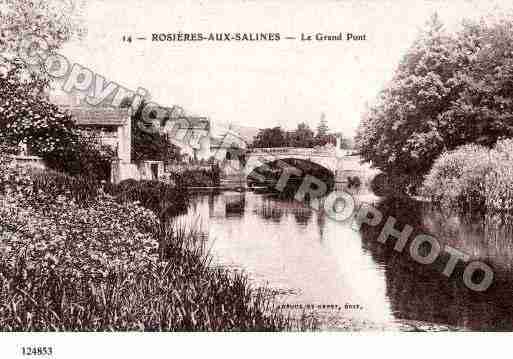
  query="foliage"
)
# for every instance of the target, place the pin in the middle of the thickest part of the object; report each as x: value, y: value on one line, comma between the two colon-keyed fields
x: 26, y: 116
x: 48, y: 185
x: 457, y: 177
x: 87, y: 157
x: 270, y: 137
x: 54, y: 21
x: 322, y: 128
x: 163, y: 199
x: 197, y: 177
x: 473, y: 178
x: 111, y: 266
x: 449, y: 90
x: 499, y: 181
x: 302, y: 137
x: 147, y: 142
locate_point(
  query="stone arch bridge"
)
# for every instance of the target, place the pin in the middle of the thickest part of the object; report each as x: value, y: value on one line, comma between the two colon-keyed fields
x: 323, y: 156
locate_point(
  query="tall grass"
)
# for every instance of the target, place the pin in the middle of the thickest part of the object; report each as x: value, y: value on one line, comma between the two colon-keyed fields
x: 163, y: 199
x: 184, y: 292
x: 81, y: 189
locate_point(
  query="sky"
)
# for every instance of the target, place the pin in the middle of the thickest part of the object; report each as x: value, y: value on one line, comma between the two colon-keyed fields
x: 261, y: 84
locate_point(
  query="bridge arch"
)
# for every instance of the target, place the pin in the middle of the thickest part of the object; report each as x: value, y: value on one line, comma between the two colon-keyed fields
x: 320, y: 158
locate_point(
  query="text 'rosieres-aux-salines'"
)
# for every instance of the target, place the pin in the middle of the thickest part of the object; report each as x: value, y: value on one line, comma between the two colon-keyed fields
x: 254, y: 36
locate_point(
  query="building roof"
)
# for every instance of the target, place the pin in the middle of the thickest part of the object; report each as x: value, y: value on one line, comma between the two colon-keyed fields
x: 102, y: 116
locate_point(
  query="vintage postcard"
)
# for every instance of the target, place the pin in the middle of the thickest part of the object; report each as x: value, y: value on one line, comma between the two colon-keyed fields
x: 254, y: 166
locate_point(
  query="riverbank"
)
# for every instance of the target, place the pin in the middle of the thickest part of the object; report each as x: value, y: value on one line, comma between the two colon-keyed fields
x: 99, y: 264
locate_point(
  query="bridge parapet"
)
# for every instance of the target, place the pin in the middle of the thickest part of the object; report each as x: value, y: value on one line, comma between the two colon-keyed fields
x: 328, y: 152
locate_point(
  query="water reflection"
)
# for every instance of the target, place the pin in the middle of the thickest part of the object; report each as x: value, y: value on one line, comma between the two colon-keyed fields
x: 289, y: 247
x: 422, y: 292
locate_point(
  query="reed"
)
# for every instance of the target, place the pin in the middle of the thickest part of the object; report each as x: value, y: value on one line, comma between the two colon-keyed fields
x: 108, y: 265
x: 184, y: 292
x: 163, y: 199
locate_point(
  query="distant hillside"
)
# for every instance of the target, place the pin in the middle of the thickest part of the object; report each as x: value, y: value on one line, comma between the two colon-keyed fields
x: 246, y: 132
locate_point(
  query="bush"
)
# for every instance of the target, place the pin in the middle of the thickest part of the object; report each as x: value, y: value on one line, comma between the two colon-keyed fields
x: 163, y: 199
x: 197, y: 177
x: 473, y: 178
x: 457, y: 177
x: 90, y: 158
x: 499, y: 181
x: 391, y: 184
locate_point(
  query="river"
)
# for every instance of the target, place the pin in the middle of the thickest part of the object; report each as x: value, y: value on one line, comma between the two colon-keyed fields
x: 348, y: 279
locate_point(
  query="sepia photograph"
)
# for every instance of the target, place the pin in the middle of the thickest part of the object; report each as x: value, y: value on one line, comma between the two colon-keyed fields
x: 308, y: 167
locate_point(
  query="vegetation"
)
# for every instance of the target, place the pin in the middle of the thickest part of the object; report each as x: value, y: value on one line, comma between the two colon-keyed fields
x: 104, y: 264
x: 450, y: 89
x: 78, y: 257
x: 26, y: 116
x: 147, y: 142
x: 473, y: 178
x: 163, y: 199
x: 196, y: 176
x: 53, y: 21
x: 302, y: 137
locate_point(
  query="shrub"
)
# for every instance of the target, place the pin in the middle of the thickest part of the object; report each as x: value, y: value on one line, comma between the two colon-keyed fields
x: 499, y: 181
x: 390, y: 184
x: 473, y: 178
x: 197, y: 177
x: 457, y: 177
x: 163, y: 199
x: 90, y: 158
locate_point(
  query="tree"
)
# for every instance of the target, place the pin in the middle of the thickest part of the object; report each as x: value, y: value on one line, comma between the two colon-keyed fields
x: 148, y: 143
x: 270, y: 137
x: 346, y: 143
x: 25, y: 113
x: 302, y: 137
x: 419, y: 114
x: 25, y: 116
x: 322, y: 128
x: 54, y: 21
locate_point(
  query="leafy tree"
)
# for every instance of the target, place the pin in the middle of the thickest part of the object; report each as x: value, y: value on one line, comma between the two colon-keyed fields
x: 322, y: 128
x: 270, y: 137
x: 448, y: 90
x: 147, y: 142
x: 323, y: 136
x: 303, y: 137
x: 26, y: 116
x: 54, y: 21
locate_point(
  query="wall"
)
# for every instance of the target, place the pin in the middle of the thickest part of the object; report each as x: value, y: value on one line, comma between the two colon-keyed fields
x: 30, y: 161
x: 121, y: 171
